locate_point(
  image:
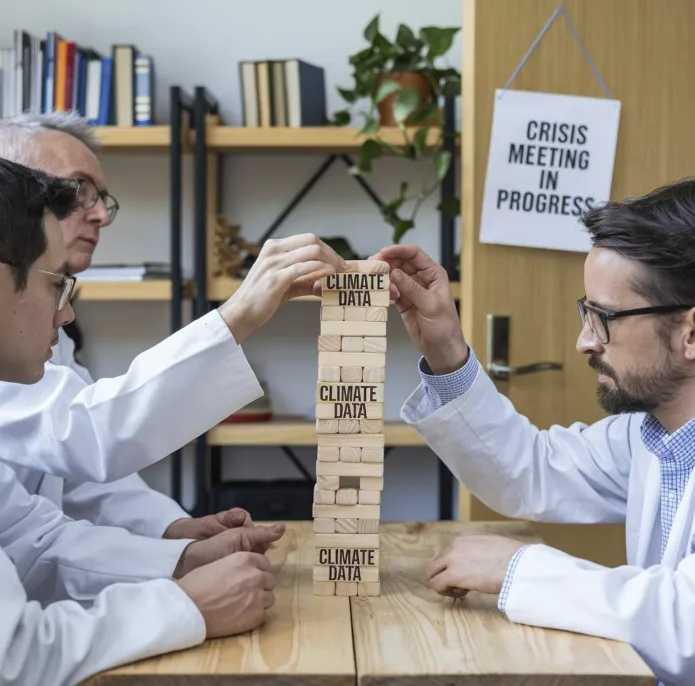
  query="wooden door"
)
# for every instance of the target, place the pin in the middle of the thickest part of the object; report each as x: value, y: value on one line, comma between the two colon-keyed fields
x: 646, y: 56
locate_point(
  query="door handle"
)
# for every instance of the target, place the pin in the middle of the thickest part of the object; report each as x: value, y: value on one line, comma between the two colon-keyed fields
x: 498, y: 366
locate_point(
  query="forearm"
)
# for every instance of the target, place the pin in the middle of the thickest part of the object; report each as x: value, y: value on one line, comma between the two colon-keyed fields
x: 651, y: 609
x: 65, y: 644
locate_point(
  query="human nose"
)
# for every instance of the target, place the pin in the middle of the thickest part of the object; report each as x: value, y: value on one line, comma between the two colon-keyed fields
x: 64, y: 316
x: 98, y: 214
x: 587, y: 341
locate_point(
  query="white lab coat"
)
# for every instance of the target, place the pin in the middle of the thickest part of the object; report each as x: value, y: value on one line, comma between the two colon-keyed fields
x: 110, y: 429
x: 66, y: 643
x: 128, y: 502
x: 580, y: 474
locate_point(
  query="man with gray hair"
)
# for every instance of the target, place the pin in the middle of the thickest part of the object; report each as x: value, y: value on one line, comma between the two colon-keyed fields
x: 96, y: 436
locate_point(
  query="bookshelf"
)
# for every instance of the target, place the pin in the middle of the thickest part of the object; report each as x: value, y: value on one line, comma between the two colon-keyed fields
x: 136, y: 138
x: 296, y: 432
x: 147, y: 290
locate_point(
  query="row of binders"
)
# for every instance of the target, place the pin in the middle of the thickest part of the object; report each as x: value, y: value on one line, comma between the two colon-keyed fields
x: 282, y: 93
x: 52, y: 74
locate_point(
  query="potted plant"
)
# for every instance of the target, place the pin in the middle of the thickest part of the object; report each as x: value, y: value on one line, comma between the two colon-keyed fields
x: 403, y: 86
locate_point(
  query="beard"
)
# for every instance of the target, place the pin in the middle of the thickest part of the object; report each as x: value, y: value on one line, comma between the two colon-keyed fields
x: 644, y: 391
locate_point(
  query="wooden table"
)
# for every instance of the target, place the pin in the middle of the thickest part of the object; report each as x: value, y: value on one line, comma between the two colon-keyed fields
x: 409, y: 635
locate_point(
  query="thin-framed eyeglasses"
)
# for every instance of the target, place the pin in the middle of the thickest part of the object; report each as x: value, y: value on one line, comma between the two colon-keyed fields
x: 88, y: 195
x: 66, y: 288
x: 598, y: 319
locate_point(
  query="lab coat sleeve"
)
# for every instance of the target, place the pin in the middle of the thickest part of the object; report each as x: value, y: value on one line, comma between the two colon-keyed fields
x: 65, y: 644
x: 575, y: 474
x: 651, y: 609
x: 128, y: 503
x: 57, y: 558
x: 171, y: 394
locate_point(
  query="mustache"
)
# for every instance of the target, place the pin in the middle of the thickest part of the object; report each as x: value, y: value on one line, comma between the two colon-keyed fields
x: 601, y: 367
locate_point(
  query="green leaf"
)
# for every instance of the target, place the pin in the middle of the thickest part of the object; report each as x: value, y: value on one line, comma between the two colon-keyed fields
x: 406, y: 103
x: 450, y: 206
x: 372, y: 29
x: 400, y: 228
x: 386, y: 88
x: 371, y: 126
x: 420, y: 140
x: 349, y: 96
x: 424, y: 113
x: 341, y: 118
x: 442, y: 161
x: 389, y: 210
x: 452, y: 87
x: 383, y: 44
x: 405, y: 37
x: 439, y: 39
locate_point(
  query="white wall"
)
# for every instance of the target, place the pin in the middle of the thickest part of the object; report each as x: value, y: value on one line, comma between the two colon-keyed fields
x: 201, y: 43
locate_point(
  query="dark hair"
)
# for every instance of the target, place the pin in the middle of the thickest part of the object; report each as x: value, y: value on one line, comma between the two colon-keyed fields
x: 658, y: 231
x: 25, y: 195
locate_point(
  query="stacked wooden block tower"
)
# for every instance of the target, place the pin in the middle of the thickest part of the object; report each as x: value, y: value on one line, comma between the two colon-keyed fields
x: 350, y: 428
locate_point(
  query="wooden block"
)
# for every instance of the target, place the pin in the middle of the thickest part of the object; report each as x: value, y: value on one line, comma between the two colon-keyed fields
x: 349, y: 453
x: 326, y: 525
x: 369, y: 589
x: 355, y: 557
x: 343, y: 526
x: 330, y: 344
x: 351, y: 374
x: 327, y: 426
x: 328, y: 453
x: 356, y: 282
x: 367, y: 497
x: 350, y: 426
x: 372, y: 344
x: 361, y: 541
x: 373, y: 374
x: 370, y: 426
x: 367, y: 267
x: 366, y: 526
x: 329, y: 373
x: 324, y: 588
x: 352, y: 359
x: 376, y: 314
x: 355, y: 314
x: 361, y: 469
x: 334, y: 314
x: 350, y: 411
x: 323, y: 497
x: 349, y: 392
x: 353, y: 328
x: 371, y: 455
x: 339, y: 573
x: 346, y: 588
x: 329, y: 483
x: 352, y: 344
x: 367, y: 483
x: 347, y: 496
x: 354, y: 298
x: 347, y: 511
x: 359, y: 440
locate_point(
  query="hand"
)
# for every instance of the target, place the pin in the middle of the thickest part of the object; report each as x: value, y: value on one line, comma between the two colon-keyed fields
x: 233, y: 593
x: 285, y: 268
x: 200, y: 528
x: 473, y: 562
x: 427, y: 307
x: 242, y: 539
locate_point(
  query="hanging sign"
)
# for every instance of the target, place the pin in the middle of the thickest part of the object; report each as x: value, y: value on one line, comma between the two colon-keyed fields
x: 551, y: 158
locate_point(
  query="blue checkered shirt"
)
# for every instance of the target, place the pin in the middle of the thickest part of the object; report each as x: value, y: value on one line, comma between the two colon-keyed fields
x: 676, y: 452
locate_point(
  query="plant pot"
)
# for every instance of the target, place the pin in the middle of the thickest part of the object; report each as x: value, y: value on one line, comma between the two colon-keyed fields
x: 407, y: 80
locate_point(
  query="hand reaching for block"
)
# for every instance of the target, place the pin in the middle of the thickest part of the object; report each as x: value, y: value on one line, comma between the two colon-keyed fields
x: 286, y: 268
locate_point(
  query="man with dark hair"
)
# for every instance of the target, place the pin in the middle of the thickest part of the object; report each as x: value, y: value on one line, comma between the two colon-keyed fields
x: 63, y: 643
x: 635, y: 466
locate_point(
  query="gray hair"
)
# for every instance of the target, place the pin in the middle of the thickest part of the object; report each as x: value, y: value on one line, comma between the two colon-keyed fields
x: 17, y: 134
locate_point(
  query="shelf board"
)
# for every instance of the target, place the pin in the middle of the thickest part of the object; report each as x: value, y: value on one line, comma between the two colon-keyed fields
x: 221, y: 289
x: 134, y: 137
x: 327, y: 139
x: 151, y: 289
x: 296, y: 432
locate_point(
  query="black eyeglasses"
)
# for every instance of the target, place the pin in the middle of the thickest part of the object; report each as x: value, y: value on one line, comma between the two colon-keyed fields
x: 598, y: 319
x: 88, y: 195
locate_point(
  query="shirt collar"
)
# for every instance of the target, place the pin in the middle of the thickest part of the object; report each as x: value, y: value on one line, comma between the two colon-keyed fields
x: 678, y: 446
